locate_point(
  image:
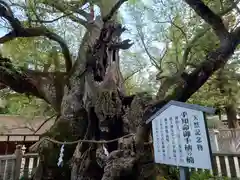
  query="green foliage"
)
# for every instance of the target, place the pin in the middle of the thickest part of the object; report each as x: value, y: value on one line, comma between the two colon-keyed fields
x: 165, y: 22
x: 173, y: 174
x: 162, y: 26
x: 17, y: 104
x: 132, y: 2
x: 31, y: 51
x: 24, y: 52
x: 222, y: 88
x: 205, y: 175
x: 200, y: 176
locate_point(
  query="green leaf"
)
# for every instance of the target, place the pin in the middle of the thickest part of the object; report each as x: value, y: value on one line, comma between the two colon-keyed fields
x: 132, y: 2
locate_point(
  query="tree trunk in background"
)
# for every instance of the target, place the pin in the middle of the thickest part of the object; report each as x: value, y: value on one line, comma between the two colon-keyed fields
x: 231, y: 116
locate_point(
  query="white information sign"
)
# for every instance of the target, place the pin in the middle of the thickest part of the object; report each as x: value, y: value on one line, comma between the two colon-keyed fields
x: 180, y: 138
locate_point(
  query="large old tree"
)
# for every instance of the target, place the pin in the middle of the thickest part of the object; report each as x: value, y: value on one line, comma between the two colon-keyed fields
x: 90, y: 97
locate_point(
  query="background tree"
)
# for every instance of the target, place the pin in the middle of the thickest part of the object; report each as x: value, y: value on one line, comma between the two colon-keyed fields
x: 183, y: 50
x: 89, y: 95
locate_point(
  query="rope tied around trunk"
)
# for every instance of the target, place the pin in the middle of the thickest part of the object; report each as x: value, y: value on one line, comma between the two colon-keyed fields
x: 35, y: 146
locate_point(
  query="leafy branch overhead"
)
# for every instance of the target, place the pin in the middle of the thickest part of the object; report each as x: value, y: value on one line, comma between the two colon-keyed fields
x: 227, y: 39
x: 210, y: 17
x: 20, y: 31
x: 212, y: 61
x: 35, y: 78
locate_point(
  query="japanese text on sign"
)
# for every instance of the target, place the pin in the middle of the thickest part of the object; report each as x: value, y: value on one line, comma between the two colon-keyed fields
x: 180, y: 138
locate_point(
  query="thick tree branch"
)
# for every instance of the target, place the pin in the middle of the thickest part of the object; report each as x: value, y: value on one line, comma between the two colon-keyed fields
x: 36, y: 32
x: 192, y: 43
x: 125, y: 44
x: 45, y: 85
x: 113, y: 10
x: 16, y: 79
x: 5, y: 12
x: 214, y: 60
x: 66, y: 8
x: 205, y: 29
x: 210, y: 17
x: 20, y: 31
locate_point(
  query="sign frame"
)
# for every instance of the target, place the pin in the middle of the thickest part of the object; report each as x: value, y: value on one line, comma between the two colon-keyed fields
x: 184, y: 171
x: 208, y: 139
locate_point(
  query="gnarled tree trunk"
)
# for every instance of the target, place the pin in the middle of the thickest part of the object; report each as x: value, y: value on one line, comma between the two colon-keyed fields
x: 94, y: 107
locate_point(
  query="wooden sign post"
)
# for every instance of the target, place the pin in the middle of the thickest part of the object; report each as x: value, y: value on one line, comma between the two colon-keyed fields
x: 180, y: 137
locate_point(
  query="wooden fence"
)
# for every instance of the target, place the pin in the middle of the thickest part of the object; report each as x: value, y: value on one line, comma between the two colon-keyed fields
x: 225, y: 140
x: 8, y: 141
x: 13, y: 167
x: 18, y: 165
x: 226, y: 164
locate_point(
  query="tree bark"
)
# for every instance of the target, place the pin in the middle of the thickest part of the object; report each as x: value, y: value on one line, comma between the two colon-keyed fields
x: 73, y: 120
x: 231, y: 116
x: 91, y: 109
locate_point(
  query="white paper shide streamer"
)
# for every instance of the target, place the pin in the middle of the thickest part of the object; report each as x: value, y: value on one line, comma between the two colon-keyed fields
x: 60, y: 159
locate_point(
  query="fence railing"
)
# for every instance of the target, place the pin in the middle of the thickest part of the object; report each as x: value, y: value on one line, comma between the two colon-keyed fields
x: 17, y: 165
x: 13, y: 167
x: 225, y: 140
x: 226, y: 165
